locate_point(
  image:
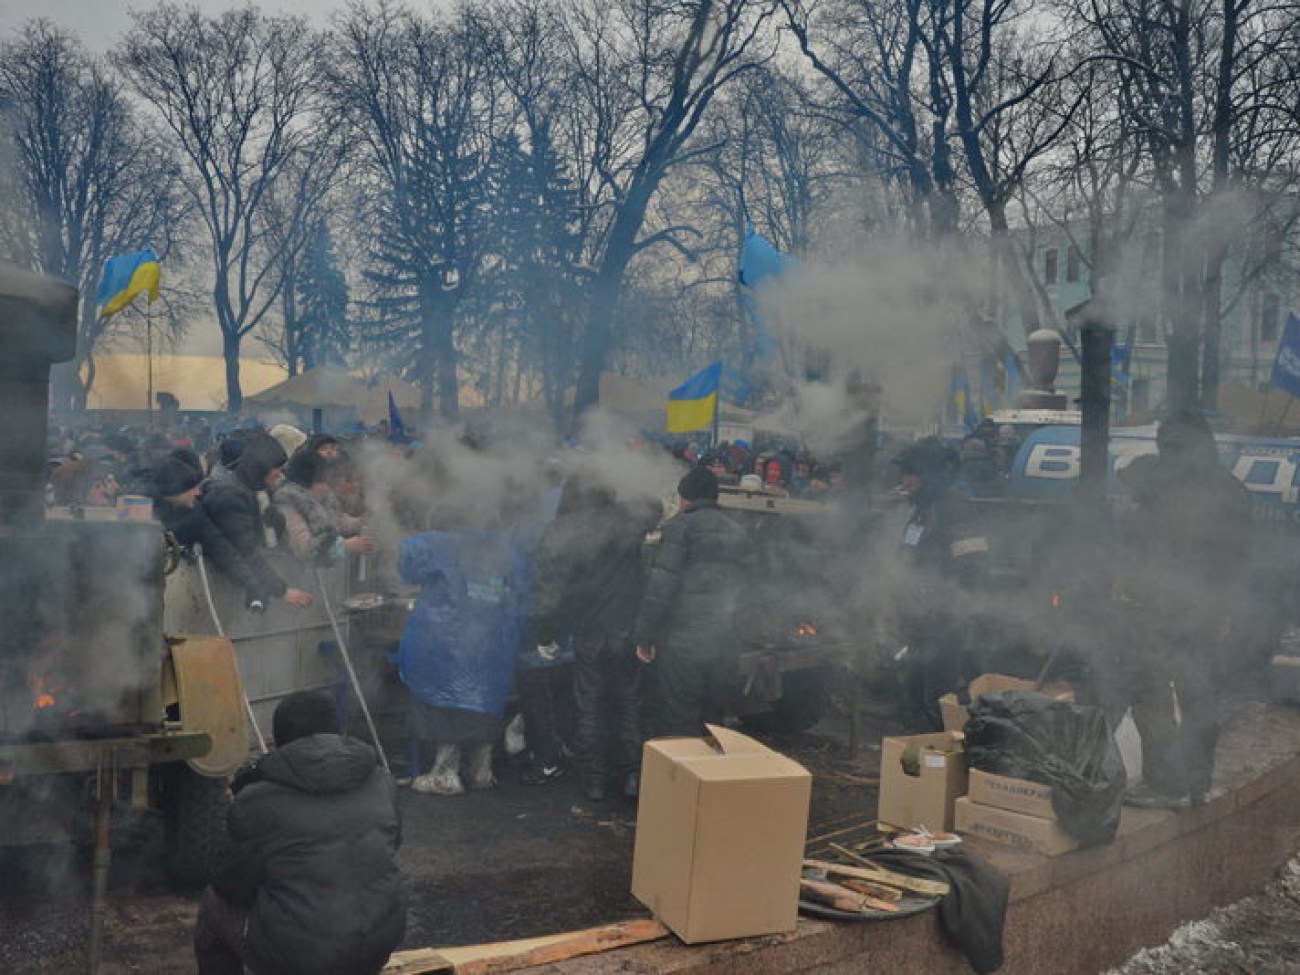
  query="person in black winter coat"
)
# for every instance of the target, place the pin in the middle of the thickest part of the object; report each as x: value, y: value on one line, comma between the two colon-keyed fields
x: 311, y: 885
x: 174, y: 484
x: 945, y: 559
x: 687, y: 620
x: 588, y: 578
x: 232, y: 504
x: 1185, y: 584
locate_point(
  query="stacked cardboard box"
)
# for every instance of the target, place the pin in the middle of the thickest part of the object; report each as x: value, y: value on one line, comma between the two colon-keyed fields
x: 1016, y: 812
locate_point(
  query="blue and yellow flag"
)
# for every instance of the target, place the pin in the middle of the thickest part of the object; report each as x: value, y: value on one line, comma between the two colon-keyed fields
x: 693, y: 404
x: 126, y: 276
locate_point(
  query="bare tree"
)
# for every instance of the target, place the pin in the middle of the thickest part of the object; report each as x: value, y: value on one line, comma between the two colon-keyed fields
x: 421, y: 101
x: 1212, y: 86
x: 644, y: 75
x: 90, y: 181
x: 238, y: 93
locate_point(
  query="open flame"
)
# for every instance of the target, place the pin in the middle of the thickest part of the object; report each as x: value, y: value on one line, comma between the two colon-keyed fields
x: 1056, y: 600
x: 43, y: 695
x: 805, y: 629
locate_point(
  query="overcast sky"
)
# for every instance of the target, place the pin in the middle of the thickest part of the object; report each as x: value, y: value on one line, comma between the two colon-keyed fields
x: 101, y: 22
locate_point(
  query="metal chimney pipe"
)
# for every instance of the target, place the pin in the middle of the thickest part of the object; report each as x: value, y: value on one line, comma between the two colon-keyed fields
x: 38, y: 327
x: 1094, y: 405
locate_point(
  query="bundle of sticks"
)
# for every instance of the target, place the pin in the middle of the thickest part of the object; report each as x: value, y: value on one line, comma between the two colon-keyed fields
x: 863, y: 886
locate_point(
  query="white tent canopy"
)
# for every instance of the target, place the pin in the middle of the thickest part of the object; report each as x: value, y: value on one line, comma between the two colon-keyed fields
x: 340, y: 395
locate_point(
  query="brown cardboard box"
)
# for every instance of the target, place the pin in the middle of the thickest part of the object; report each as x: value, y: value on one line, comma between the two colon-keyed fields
x: 1043, y: 836
x: 720, y: 832
x: 1016, y: 795
x: 924, y: 799
x: 955, y: 714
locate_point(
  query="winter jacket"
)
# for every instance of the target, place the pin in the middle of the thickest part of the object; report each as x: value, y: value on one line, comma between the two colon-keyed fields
x: 695, y: 584
x: 459, y: 646
x: 192, y: 526
x: 313, y: 841
x: 232, y: 504
x: 589, y: 574
x: 311, y: 531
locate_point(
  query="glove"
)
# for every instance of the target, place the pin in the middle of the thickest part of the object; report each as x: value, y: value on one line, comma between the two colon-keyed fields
x: 548, y: 651
x: 273, y: 518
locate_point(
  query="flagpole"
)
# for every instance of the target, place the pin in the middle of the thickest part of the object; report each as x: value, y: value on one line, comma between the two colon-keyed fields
x: 148, y: 330
x: 717, y: 411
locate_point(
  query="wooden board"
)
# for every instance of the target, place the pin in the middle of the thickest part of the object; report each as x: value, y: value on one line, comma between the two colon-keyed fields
x: 509, y: 956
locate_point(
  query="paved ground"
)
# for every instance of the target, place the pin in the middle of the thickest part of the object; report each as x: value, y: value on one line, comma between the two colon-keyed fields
x: 518, y: 861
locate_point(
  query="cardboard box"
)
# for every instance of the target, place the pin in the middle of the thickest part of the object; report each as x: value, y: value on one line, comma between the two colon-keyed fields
x: 926, y: 797
x: 1015, y: 795
x: 721, y: 826
x: 955, y: 714
x: 1043, y: 836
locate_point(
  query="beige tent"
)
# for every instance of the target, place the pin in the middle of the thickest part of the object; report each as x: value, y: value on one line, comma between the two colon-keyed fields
x: 341, y: 395
x: 197, y: 381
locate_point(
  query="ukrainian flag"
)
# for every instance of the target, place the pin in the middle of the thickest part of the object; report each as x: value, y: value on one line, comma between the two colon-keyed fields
x: 126, y: 276
x: 693, y: 404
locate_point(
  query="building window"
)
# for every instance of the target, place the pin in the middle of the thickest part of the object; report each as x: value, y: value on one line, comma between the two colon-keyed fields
x: 1072, y: 264
x: 1270, y: 318
x: 1049, y: 266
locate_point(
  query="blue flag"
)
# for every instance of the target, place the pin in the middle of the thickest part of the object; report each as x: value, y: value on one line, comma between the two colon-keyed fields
x: 760, y: 261
x: 965, y: 409
x: 1286, y: 367
x: 396, y: 428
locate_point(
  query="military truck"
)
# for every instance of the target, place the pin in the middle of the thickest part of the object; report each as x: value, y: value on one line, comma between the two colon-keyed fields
x: 101, y: 712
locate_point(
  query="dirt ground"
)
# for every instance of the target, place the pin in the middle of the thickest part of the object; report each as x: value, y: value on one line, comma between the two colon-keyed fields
x: 511, y: 862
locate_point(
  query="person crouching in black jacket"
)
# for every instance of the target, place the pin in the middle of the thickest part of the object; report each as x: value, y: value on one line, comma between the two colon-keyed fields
x: 311, y: 884
x: 232, y: 504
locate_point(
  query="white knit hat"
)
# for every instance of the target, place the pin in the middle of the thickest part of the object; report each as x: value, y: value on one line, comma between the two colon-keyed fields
x: 288, y: 437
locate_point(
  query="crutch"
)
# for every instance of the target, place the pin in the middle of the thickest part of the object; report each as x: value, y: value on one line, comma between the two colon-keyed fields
x: 352, y: 674
x: 221, y: 632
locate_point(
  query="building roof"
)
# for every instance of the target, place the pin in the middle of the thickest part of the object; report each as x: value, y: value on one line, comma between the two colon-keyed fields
x: 197, y: 381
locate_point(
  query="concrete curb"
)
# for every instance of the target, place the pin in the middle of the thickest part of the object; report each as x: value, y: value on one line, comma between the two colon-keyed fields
x: 1082, y: 912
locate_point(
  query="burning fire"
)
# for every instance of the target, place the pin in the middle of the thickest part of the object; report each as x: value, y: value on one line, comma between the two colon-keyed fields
x: 805, y: 629
x: 1056, y: 600
x: 42, y: 693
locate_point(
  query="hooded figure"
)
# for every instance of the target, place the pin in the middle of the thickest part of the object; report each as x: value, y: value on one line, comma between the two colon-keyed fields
x: 240, y: 507
x: 311, y: 884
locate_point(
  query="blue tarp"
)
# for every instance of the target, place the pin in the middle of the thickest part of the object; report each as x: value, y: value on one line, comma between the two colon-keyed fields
x: 460, y: 643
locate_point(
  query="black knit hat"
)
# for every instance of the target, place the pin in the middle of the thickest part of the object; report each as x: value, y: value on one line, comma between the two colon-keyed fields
x: 699, y: 484
x: 301, y: 714
x: 172, y: 476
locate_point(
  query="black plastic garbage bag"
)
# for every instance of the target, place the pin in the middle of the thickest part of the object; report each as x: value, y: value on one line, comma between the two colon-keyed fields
x: 1058, y: 743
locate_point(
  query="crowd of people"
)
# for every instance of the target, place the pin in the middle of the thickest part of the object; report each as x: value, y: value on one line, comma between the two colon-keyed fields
x: 552, y: 599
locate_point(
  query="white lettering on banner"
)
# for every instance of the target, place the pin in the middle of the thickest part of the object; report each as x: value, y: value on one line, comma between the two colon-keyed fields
x: 1057, y: 462
x: 1271, y: 476
x: 1289, y: 361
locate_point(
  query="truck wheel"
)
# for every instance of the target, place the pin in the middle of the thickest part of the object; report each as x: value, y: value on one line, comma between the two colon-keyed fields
x: 195, y: 808
x: 805, y: 695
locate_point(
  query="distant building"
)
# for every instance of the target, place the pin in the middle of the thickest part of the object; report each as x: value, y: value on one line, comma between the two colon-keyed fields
x: 1261, y: 284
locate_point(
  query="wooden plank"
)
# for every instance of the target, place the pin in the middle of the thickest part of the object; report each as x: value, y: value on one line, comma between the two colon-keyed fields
x: 509, y: 956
